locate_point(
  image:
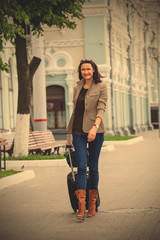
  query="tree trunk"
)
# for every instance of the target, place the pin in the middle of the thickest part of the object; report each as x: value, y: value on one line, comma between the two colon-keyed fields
x: 25, y: 75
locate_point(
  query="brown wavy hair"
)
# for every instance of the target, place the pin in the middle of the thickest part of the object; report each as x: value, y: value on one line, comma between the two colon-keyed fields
x: 96, y: 75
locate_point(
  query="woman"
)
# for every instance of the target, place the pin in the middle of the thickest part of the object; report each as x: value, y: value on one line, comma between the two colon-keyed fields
x: 86, y: 126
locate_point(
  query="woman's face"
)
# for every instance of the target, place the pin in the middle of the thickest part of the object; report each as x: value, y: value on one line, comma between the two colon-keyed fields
x: 87, y: 71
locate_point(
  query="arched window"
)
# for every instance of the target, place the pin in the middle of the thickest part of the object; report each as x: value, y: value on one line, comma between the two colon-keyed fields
x: 11, y: 97
x: 1, y: 103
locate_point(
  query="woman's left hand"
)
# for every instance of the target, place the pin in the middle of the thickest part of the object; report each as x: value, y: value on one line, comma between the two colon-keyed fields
x: 92, y: 134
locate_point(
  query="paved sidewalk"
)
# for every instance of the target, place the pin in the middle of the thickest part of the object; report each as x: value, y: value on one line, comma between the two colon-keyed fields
x: 39, y: 209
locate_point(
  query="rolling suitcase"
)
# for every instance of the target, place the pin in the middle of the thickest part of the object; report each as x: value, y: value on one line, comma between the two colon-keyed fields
x: 72, y: 182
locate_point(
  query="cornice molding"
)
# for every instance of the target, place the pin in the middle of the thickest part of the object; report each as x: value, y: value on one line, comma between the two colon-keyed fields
x: 64, y: 43
x: 96, y: 10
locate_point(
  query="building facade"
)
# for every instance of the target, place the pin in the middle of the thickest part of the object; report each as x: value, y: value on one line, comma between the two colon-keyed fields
x: 122, y: 38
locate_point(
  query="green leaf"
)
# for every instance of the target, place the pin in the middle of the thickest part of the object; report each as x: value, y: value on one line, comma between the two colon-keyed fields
x: 4, y: 66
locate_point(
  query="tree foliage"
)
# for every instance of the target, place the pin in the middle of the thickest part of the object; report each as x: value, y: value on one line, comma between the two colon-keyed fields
x: 15, y: 17
x: 15, y: 14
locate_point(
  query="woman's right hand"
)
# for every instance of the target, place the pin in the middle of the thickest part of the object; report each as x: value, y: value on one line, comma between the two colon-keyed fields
x: 72, y: 141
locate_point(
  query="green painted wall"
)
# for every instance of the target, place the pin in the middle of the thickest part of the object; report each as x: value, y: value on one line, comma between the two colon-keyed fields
x: 94, y: 38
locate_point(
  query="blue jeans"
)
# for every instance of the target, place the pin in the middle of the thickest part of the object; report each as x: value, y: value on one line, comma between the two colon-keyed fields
x: 80, y: 145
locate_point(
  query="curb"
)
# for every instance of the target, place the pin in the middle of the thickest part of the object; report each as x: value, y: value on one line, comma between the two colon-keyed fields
x: 16, y: 178
x: 47, y: 163
x: 125, y: 142
x: 36, y: 163
x: 108, y: 148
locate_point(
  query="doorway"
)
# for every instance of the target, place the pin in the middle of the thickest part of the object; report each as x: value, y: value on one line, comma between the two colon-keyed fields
x: 154, y: 117
x: 56, y: 114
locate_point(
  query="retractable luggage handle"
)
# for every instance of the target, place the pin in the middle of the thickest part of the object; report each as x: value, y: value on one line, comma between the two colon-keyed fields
x: 70, y: 160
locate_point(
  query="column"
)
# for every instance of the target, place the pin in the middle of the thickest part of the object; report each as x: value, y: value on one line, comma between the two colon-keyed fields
x: 124, y: 112
x: 118, y: 106
x: 148, y: 92
x: 130, y: 68
x: 39, y: 86
x: 70, y: 83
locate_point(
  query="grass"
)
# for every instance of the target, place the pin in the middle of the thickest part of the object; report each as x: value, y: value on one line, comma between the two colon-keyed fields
x: 118, y: 138
x: 4, y: 173
x: 36, y: 157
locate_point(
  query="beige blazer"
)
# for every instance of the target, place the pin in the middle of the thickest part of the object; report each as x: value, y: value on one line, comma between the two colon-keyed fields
x: 95, y: 105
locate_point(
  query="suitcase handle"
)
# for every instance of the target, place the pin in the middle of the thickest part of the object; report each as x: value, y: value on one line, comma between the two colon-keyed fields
x: 70, y: 160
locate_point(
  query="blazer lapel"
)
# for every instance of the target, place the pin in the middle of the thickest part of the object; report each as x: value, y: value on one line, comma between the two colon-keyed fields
x: 78, y: 89
x: 93, y: 88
